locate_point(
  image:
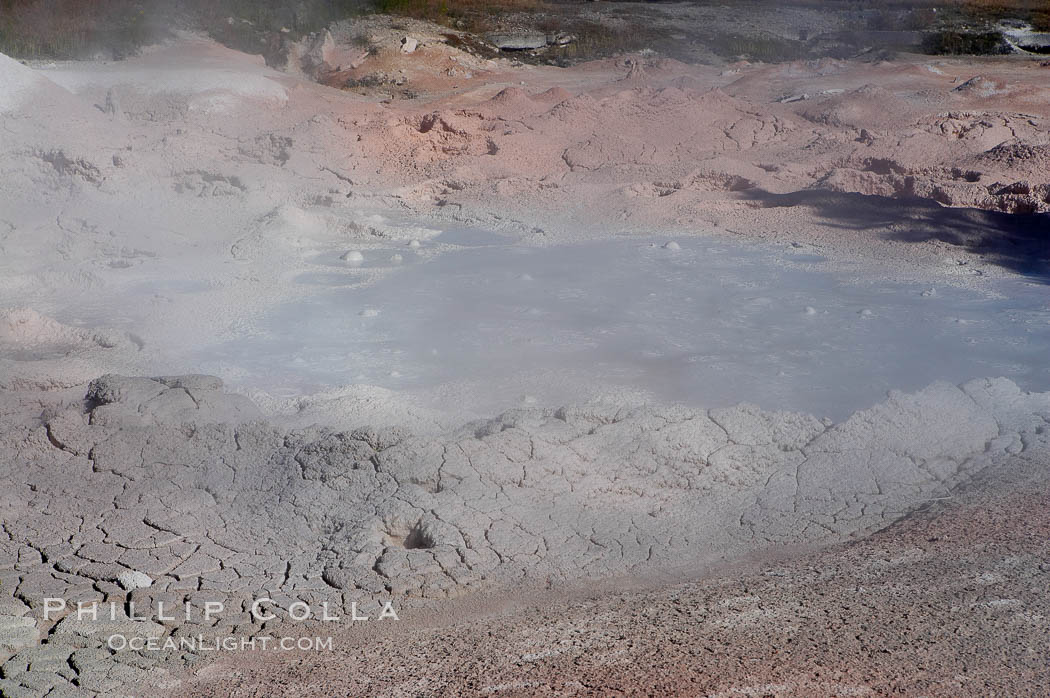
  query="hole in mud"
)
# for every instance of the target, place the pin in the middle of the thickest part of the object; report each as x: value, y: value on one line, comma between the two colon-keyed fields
x: 883, y: 166
x: 414, y: 538
x: 966, y: 175
x: 737, y: 183
x: 417, y: 538
x: 427, y: 123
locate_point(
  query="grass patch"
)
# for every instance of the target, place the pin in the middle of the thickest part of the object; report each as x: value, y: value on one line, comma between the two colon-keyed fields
x: 959, y: 43
x: 68, y: 29
x: 471, y: 15
x: 1035, y: 12
x: 82, y: 28
x: 768, y: 49
x: 72, y: 28
x: 297, y: 18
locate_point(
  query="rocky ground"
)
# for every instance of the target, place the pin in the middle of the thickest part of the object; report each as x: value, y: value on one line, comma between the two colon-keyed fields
x: 199, y: 164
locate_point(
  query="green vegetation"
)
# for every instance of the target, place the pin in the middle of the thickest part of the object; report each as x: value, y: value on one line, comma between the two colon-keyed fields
x: 81, y: 28
x: 957, y: 42
x: 470, y: 15
x: 298, y: 18
x: 1036, y: 12
x: 71, y: 28
x: 768, y: 48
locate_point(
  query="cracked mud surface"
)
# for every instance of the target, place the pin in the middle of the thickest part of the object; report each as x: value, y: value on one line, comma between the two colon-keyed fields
x: 139, y: 201
x: 176, y: 480
x: 947, y: 602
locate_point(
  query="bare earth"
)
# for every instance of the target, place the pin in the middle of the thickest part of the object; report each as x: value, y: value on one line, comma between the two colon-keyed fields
x: 947, y: 602
x: 566, y: 550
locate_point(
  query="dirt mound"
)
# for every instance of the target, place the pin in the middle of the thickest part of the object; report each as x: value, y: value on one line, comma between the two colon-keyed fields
x: 554, y: 95
x: 980, y: 86
x: 512, y: 96
x: 18, y: 83
x: 869, y: 107
x: 38, y: 351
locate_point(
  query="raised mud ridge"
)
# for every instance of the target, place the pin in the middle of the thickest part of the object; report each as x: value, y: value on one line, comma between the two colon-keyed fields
x: 169, y: 489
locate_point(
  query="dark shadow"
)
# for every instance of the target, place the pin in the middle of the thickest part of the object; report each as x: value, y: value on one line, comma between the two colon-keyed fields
x: 1018, y: 242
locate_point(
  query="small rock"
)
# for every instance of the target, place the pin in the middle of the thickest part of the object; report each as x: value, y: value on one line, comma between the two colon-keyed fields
x: 524, y: 41
x: 408, y: 44
x: 133, y: 579
x: 10, y: 606
x: 319, y: 50
x: 17, y: 632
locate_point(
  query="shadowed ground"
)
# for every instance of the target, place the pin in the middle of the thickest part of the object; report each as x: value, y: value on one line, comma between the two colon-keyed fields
x: 1020, y: 243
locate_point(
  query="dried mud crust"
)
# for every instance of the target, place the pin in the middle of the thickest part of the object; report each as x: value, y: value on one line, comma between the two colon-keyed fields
x: 947, y: 602
x: 173, y: 483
